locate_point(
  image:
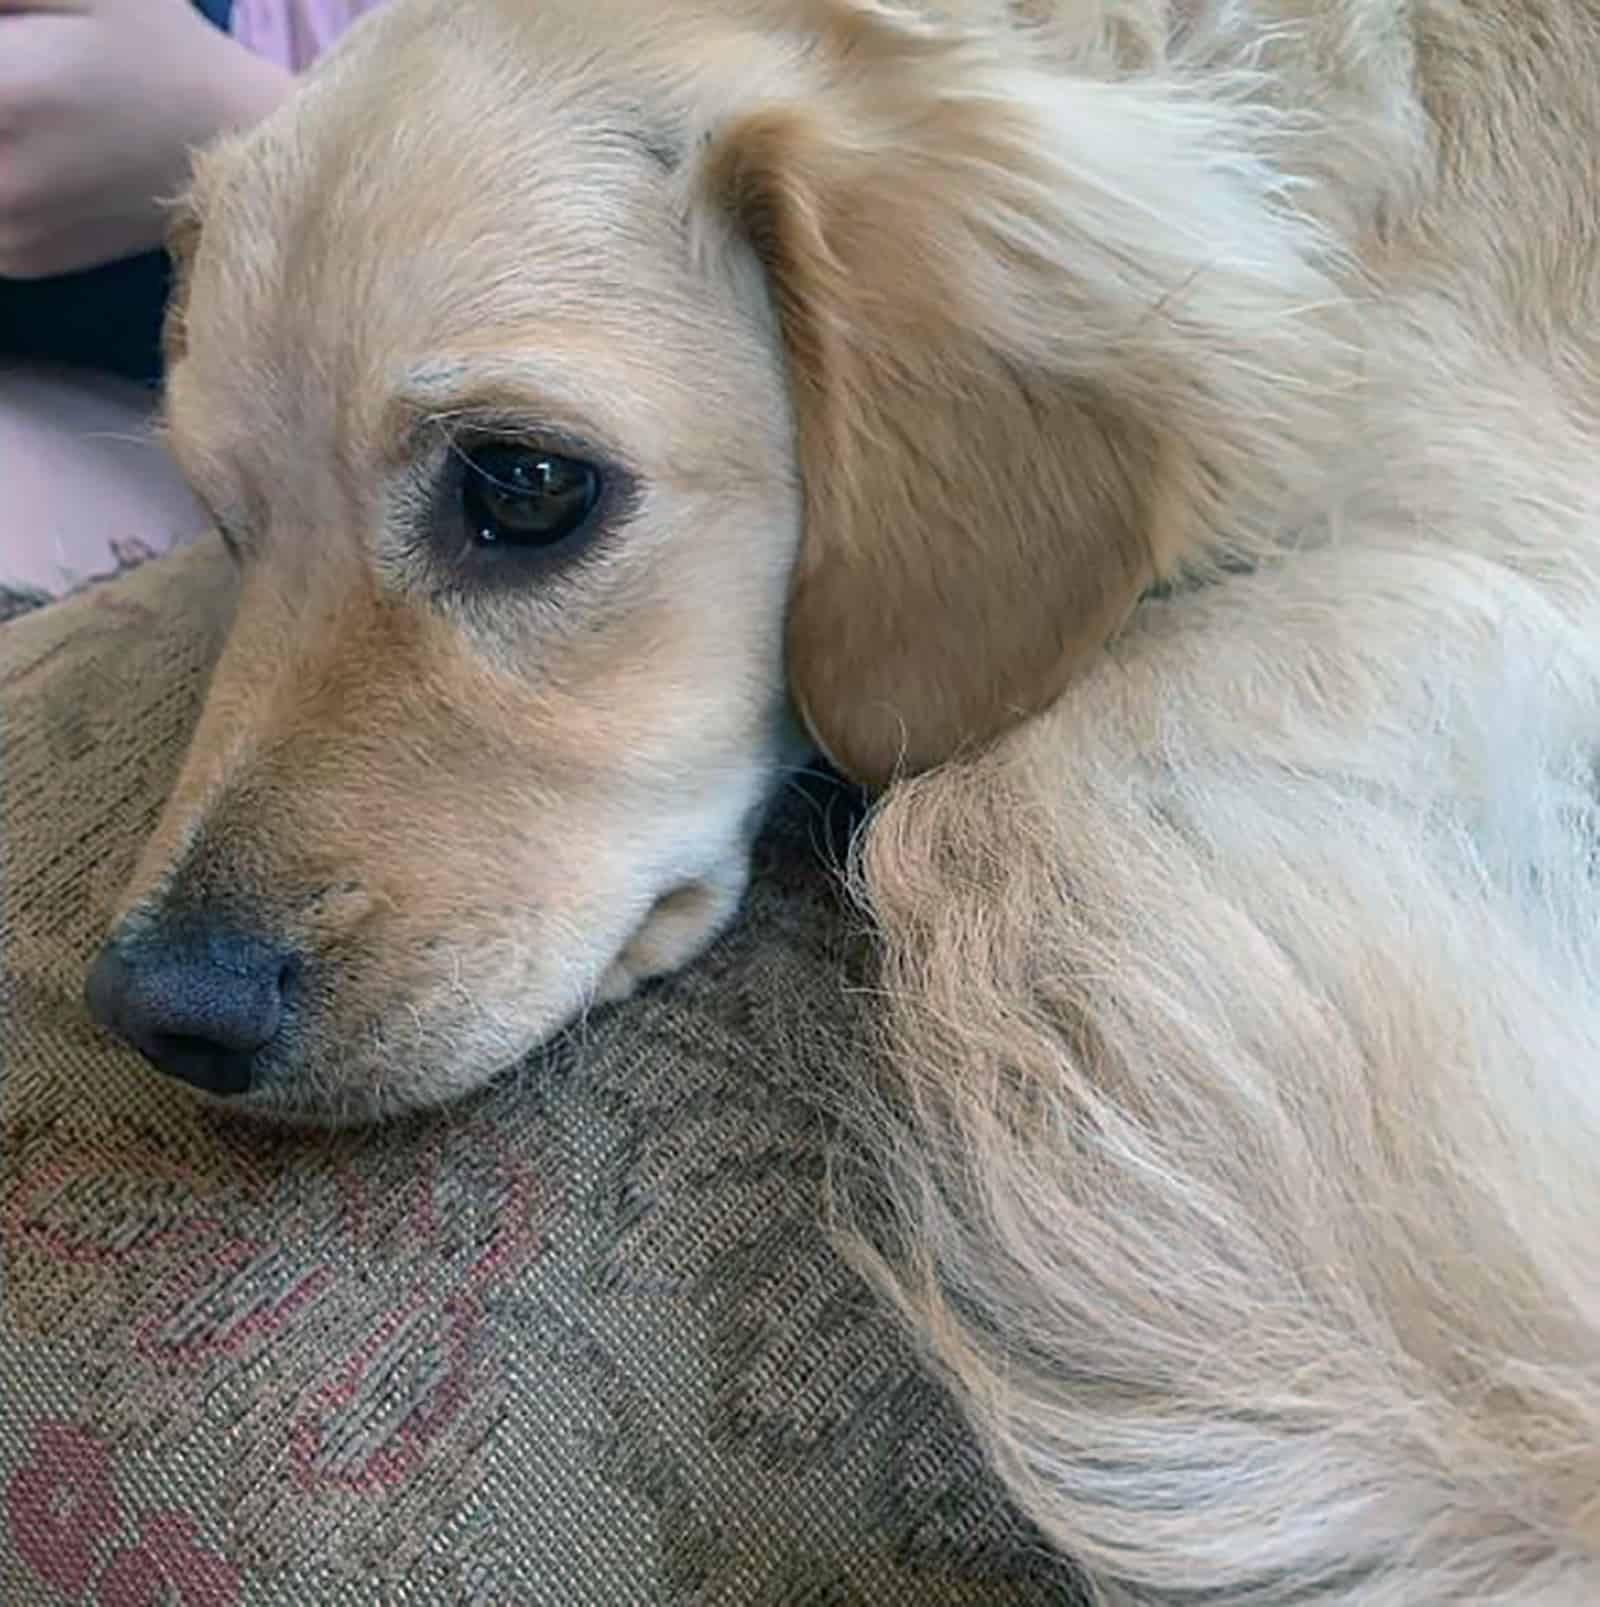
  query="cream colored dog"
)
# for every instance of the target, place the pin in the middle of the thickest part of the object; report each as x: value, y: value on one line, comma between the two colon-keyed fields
x: 1161, y: 441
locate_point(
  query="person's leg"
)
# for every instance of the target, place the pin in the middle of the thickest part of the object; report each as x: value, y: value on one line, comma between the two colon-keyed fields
x: 84, y: 486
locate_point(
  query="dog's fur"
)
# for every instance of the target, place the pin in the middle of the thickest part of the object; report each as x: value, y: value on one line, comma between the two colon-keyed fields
x: 1239, y: 962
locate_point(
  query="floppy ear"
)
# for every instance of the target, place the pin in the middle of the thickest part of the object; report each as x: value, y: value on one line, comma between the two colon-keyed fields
x: 1036, y: 328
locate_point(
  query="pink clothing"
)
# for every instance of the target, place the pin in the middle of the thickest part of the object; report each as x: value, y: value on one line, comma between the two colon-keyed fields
x: 293, y: 33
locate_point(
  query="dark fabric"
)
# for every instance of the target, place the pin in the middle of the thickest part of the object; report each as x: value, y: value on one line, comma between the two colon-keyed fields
x: 106, y: 318
x: 19, y: 600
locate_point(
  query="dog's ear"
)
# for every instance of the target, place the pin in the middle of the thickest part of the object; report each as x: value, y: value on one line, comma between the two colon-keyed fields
x: 1034, y: 329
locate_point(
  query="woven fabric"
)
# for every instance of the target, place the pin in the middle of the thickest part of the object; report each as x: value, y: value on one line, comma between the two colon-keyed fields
x: 581, y: 1340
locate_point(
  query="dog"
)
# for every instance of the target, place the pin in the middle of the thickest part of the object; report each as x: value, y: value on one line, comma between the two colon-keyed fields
x: 1152, y: 443
x: 876, y: 384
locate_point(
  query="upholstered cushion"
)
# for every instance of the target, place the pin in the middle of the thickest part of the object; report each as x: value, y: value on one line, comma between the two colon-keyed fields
x: 580, y: 1341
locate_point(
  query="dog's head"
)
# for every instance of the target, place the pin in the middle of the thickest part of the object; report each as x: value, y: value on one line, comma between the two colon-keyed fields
x: 596, y: 394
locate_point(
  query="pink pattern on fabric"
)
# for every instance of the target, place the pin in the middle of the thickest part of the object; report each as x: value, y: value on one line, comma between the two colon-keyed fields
x: 60, y: 1505
x: 167, y: 1565
x: 293, y: 33
x: 62, y: 1513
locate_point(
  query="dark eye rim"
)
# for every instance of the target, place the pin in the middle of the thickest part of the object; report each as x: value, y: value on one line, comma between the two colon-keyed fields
x: 515, y: 565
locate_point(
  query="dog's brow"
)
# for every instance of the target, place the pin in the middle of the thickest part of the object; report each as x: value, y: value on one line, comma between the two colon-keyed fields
x: 516, y: 395
x: 428, y: 382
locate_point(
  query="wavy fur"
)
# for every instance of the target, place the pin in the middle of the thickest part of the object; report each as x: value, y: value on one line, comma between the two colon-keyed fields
x: 1243, y: 1010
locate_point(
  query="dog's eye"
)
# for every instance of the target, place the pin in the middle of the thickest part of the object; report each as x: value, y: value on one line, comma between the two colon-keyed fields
x: 518, y: 496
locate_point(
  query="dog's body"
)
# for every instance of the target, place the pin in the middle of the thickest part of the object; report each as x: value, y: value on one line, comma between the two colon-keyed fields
x: 1239, y: 944
x: 1249, y: 1001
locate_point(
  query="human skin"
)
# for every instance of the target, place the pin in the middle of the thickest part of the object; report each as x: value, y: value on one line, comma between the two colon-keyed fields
x: 101, y: 103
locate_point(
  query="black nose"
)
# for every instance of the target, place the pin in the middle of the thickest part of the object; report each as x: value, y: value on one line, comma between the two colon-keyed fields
x: 201, y: 1003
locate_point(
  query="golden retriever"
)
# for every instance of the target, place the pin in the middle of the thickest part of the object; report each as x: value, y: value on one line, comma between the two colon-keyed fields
x: 1155, y: 440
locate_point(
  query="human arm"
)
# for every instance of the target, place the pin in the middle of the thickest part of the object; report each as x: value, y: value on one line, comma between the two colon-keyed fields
x: 101, y: 103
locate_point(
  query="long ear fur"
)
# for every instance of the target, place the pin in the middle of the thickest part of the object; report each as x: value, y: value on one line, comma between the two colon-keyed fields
x: 1049, y: 338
